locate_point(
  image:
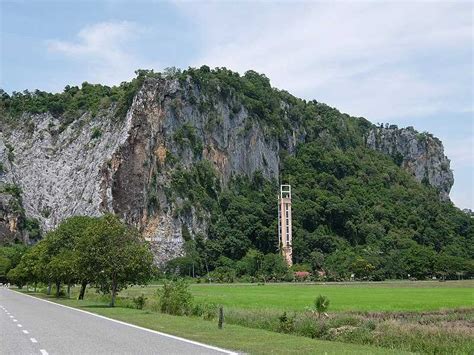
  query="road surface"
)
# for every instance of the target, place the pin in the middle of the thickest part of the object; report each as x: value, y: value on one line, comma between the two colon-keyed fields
x: 29, y: 325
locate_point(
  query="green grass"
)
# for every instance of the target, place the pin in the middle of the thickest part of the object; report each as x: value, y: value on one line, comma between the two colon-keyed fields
x: 233, y: 337
x: 424, y: 317
x: 375, y: 297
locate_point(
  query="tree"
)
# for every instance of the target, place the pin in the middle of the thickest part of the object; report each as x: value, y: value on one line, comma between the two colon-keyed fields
x: 251, y: 263
x: 316, y: 261
x: 5, y: 266
x: 70, y: 265
x: 63, y: 268
x: 274, y: 267
x: 362, y: 268
x: 448, y: 265
x: 321, y: 304
x: 18, y: 276
x: 10, y: 257
x: 117, y: 254
x: 60, y: 257
x: 31, y: 268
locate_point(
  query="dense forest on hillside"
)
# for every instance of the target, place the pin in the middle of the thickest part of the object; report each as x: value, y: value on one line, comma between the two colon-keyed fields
x: 355, y: 210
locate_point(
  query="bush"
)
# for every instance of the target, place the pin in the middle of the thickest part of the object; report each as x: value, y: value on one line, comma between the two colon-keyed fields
x: 96, y: 133
x: 139, y: 301
x: 207, y: 311
x: 306, y: 325
x: 344, y: 321
x: 124, y: 302
x: 287, y: 324
x: 175, y: 298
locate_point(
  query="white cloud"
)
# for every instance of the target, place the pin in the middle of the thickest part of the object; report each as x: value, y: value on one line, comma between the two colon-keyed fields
x: 387, y: 61
x: 379, y: 60
x: 461, y: 151
x: 103, y: 51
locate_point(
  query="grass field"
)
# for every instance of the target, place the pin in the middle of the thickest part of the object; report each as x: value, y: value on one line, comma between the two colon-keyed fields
x: 233, y: 337
x: 422, y: 317
x: 374, y: 297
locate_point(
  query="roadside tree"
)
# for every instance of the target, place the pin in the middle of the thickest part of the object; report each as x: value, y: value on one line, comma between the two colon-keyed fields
x: 117, y: 254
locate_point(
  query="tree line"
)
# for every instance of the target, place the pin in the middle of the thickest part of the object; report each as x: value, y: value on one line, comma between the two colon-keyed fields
x: 100, y: 251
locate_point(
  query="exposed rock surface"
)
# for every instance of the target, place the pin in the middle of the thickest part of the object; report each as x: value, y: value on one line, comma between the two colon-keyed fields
x: 74, y: 171
x: 11, y: 213
x: 419, y: 153
x: 100, y: 163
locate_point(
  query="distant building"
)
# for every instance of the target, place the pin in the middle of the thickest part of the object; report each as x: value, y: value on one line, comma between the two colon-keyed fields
x: 285, y: 237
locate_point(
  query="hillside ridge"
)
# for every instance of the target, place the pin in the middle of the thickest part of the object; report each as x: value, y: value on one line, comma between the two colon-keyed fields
x: 140, y: 149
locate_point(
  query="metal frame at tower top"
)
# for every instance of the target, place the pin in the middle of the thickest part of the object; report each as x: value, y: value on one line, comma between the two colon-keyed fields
x: 285, y: 191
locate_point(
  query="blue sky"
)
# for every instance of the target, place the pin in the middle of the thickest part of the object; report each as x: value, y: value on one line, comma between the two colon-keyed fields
x: 408, y: 63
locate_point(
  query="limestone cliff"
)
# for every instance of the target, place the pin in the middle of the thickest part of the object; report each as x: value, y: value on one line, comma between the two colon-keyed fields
x: 101, y: 162
x: 419, y: 153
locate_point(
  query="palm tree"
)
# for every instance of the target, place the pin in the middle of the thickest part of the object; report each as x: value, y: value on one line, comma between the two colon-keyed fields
x: 321, y: 304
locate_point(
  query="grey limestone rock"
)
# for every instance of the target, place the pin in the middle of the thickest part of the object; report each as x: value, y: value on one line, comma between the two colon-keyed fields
x: 419, y: 153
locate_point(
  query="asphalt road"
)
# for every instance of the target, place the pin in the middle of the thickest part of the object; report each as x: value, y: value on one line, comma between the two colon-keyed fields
x: 32, y: 326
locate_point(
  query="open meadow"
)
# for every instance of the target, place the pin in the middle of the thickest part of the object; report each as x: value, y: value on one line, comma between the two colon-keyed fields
x: 355, y: 296
x: 428, y: 317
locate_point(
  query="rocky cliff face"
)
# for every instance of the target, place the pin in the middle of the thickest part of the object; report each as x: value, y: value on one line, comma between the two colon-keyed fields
x: 419, y: 153
x: 99, y: 163
x: 11, y: 214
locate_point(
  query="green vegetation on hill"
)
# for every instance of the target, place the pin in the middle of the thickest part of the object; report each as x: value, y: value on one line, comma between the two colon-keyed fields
x: 73, y: 101
x: 356, y: 212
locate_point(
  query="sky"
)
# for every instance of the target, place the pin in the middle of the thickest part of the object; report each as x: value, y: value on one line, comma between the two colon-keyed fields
x: 408, y: 63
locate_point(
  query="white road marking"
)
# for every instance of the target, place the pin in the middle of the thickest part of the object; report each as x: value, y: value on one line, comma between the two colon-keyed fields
x: 19, y: 325
x: 25, y: 331
x: 33, y: 340
x: 134, y: 326
x: 43, y: 352
x: 11, y: 316
x: 15, y: 320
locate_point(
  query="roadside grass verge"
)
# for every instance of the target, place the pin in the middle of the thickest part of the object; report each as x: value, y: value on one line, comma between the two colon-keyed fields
x: 438, y: 332
x: 232, y: 337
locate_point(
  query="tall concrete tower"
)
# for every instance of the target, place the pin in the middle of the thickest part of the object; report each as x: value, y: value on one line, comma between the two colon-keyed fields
x: 285, y: 237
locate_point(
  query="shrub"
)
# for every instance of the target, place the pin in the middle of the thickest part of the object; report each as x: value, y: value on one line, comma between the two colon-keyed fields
x: 139, y: 301
x: 124, y: 302
x: 287, y: 324
x: 306, y: 325
x: 207, y: 311
x: 344, y: 321
x: 175, y: 298
x: 96, y: 133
